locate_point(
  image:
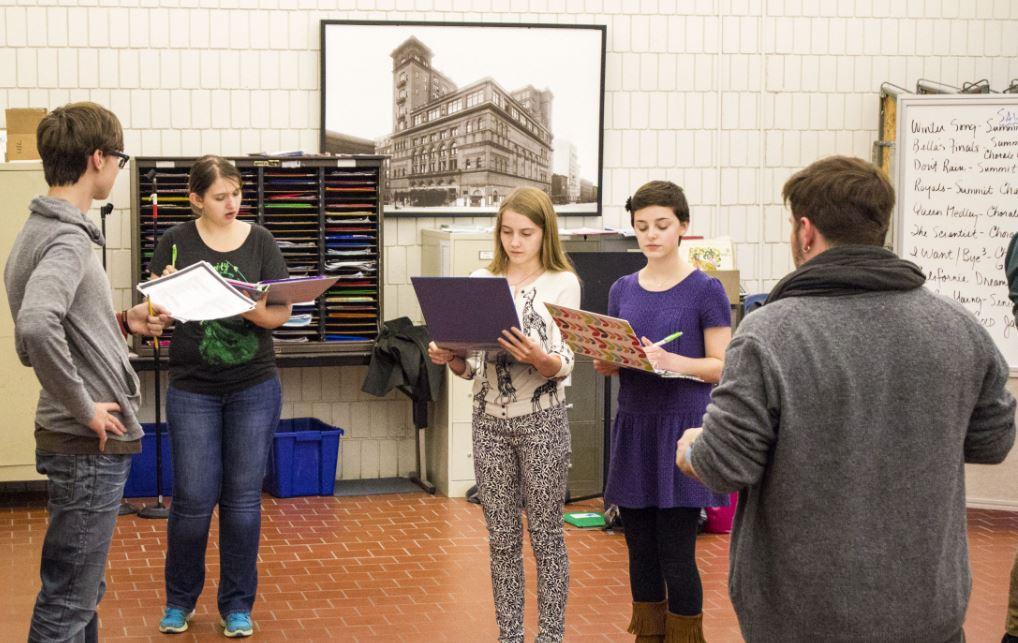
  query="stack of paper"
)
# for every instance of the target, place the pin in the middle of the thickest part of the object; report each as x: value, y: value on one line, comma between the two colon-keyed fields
x: 298, y: 321
x: 196, y: 293
x: 360, y: 266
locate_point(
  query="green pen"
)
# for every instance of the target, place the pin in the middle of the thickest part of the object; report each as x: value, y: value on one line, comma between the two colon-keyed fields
x: 664, y: 341
x: 173, y: 256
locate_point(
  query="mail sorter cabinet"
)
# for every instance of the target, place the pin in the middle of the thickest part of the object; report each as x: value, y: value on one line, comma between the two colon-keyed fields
x: 450, y: 443
x: 326, y: 217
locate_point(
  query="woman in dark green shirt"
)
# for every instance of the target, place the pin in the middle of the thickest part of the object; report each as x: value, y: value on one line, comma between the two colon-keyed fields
x: 223, y: 403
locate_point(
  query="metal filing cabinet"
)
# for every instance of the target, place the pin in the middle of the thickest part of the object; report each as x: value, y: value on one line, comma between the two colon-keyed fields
x: 449, y: 439
x: 20, y: 182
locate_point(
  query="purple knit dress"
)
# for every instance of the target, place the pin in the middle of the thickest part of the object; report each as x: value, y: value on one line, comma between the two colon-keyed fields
x: 654, y: 411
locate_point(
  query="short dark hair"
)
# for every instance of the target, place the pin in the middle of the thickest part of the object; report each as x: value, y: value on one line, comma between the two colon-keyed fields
x: 848, y: 200
x: 663, y: 193
x: 68, y: 135
x: 207, y: 170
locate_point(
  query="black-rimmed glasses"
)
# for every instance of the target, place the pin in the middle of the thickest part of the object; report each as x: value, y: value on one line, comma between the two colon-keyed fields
x: 124, y: 158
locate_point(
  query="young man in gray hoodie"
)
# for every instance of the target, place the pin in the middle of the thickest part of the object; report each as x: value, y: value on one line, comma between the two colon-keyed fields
x: 86, y: 425
x: 846, y: 411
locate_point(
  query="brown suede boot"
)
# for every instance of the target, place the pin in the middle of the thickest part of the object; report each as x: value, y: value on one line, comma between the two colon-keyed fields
x: 684, y: 629
x: 648, y: 622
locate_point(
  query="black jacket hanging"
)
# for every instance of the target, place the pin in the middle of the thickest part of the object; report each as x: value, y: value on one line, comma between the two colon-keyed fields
x: 400, y: 360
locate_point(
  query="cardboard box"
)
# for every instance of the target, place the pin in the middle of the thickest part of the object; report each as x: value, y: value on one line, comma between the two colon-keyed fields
x: 730, y: 280
x: 21, y: 126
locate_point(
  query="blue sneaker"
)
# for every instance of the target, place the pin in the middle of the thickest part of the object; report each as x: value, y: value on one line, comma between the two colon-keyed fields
x: 174, y: 621
x: 237, y: 624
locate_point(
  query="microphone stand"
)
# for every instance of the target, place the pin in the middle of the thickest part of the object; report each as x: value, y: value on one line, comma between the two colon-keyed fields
x: 157, y: 509
x: 104, y: 212
x: 126, y: 508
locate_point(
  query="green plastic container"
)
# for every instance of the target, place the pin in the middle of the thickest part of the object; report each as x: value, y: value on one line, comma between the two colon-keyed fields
x: 584, y: 519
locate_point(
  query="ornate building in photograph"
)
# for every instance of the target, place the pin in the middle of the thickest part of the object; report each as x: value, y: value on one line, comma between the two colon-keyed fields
x: 462, y: 146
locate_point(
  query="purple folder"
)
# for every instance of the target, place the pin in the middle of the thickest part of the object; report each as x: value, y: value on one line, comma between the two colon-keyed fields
x: 294, y: 290
x: 297, y: 290
x: 466, y: 313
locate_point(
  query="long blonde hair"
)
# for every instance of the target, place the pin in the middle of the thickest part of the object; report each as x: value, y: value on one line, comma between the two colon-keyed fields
x: 536, y: 206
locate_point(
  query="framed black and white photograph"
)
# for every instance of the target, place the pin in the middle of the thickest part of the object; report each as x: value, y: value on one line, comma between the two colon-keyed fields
x: 466, y: 112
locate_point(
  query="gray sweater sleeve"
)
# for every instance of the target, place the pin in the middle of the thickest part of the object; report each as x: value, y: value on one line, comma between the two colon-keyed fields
x: 39, y: 331
x: 991, y: 429
x: 739, y: 426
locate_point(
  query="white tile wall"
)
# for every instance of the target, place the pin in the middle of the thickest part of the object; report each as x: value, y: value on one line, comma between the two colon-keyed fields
x: 725, y: 97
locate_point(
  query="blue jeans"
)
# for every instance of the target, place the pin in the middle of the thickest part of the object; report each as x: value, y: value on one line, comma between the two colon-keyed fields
x: 220, y: 447
x: 84, y: 496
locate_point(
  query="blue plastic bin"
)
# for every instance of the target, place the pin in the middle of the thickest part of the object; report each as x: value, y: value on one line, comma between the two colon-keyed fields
x: 752, y: 302
x: 141, y: 481
x: 303, y: 459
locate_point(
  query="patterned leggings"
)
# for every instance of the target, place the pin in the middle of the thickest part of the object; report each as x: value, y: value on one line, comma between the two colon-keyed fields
x: 524, y: 461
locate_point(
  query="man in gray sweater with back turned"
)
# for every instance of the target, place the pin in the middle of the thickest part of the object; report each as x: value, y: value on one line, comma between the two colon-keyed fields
x: 846, y: 411
x: 65, y: 328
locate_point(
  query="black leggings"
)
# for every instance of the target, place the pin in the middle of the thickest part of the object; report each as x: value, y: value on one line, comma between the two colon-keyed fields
x: 662, y: 553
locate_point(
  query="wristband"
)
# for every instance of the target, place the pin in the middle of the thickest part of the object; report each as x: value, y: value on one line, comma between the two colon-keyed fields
x: 124, y: 327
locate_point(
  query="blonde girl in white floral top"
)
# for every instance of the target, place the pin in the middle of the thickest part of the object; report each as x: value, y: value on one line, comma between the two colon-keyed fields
x: 520, y: 428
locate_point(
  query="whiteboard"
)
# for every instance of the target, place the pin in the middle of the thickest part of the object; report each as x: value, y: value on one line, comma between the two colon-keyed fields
x: 957, y: 205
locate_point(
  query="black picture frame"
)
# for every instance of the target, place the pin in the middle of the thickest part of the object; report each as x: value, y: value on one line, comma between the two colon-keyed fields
x: 456, y: 148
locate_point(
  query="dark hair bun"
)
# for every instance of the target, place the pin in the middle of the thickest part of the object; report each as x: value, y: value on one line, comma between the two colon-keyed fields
x: 629, y: 204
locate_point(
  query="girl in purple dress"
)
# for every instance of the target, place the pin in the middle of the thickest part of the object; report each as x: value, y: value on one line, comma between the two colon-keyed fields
x: 660, y: 506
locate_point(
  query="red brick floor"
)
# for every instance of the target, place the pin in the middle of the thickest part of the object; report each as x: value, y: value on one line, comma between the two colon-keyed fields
x: 407, y: 567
